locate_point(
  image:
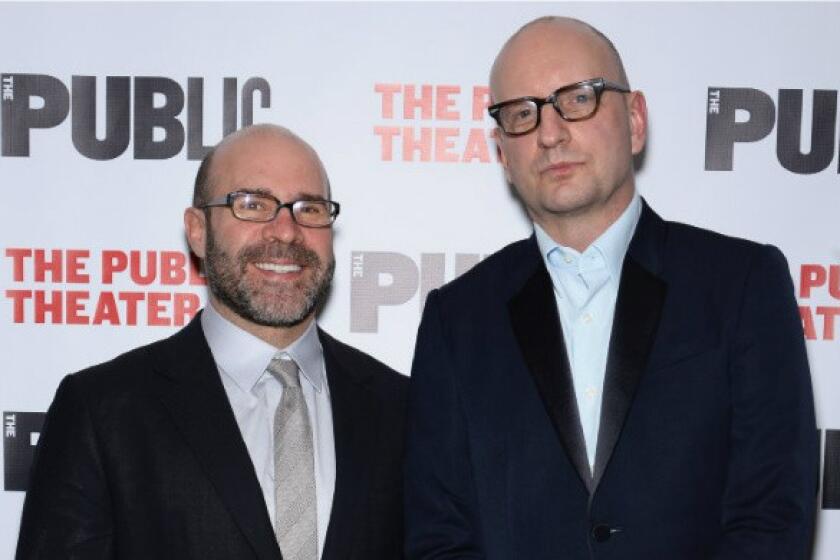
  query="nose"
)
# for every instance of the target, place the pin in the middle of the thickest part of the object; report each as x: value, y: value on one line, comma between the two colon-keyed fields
x: 553, y: 128
x: 282, y: 228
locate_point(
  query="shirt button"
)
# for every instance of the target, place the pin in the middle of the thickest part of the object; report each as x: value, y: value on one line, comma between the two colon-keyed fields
x: 591, y: 392
x: 569, y: 259
x: 586, y: 318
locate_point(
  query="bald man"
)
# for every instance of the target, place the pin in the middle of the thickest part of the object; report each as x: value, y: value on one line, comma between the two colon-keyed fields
x: 616, y: 386
x: 249, y: 434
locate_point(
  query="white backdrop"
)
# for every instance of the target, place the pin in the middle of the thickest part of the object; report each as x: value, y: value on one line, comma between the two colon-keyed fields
x: 392, y: 97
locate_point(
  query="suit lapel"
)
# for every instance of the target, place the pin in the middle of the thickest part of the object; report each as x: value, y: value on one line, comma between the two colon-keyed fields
x: 641, y: 297
x: 536, y: 325
x: 356, y: 412
x: 192, y: 391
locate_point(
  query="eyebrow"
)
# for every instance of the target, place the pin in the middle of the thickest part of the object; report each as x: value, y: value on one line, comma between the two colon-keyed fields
x: 253, y: 190
x: 310, y: 197
x: 266, y: 192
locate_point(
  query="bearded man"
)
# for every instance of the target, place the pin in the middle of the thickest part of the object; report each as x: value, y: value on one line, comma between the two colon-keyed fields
x: 251, y: 433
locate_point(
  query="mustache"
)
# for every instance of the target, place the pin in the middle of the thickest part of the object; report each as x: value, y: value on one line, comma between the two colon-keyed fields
x: 296, y: 252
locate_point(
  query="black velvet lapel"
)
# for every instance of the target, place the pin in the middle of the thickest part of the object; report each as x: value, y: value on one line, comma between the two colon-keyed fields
x: 536, y: 324
x: 356, y: 412
x: 192, y: 391
x: 641, y: 297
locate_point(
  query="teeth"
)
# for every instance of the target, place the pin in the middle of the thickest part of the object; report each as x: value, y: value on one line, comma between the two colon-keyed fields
x: 279, y: 268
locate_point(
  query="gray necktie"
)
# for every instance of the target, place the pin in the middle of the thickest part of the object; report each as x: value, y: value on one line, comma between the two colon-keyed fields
x: 294, y: 473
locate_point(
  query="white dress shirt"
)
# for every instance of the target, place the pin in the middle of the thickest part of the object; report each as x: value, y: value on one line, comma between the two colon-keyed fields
x: 254, y: 395
x: 585, y: 289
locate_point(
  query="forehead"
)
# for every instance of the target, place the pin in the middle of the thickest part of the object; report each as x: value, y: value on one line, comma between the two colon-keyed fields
x: 284, y: 166
x: 547, y: 56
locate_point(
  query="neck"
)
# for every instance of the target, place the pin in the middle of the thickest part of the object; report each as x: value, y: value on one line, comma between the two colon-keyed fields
x: 579, y: 230
x: 279, y: 337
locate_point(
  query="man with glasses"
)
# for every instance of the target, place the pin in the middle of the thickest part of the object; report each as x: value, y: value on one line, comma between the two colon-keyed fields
x: 251, y: 432
x: 616, y: 386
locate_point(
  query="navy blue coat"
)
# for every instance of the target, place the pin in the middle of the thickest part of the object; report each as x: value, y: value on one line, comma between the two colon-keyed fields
x: 707, y: 446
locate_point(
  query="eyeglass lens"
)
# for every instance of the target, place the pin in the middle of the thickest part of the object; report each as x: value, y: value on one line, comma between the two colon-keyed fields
x: 573, y: 104
x: 260, y: 208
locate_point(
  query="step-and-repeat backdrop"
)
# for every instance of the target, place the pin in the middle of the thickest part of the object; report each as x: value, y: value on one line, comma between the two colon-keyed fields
x: 107, y: 108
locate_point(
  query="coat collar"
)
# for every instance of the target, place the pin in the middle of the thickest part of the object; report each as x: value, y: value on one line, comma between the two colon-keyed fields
x: 641, y: 298
x: 356, y: 415
x: 190, y: 388
x: 536, y: 325
x: 537, y: 328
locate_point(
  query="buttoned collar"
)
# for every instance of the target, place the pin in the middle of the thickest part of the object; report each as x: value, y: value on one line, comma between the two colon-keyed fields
x: 609, y: 248
x: 245, y: 357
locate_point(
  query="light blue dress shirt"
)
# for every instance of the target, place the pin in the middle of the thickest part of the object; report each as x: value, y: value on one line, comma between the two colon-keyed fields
x: 585, y: 289
x: 254, y: 395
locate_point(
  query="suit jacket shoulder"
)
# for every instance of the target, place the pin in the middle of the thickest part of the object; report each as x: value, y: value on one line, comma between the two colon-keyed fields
x: 498, y: 276
x: 702, y: 265
x: 132, y: 368
x: 361, y: 366
x: 688, y: 244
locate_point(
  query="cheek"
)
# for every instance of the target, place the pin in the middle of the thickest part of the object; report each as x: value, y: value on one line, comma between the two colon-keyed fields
x: 232, y: 238
x: 518, y: 159
x: 611, y: 147
x: 320, y: 241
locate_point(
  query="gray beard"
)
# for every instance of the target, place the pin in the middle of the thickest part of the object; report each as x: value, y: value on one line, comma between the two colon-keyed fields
x: 227, y: 281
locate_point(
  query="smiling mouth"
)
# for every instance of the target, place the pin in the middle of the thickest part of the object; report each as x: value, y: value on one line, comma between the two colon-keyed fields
x: 278, y: 268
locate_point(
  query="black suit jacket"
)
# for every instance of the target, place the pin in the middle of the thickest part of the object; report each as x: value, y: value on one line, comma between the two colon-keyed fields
x: 141, y: 458
x: 707, y: 446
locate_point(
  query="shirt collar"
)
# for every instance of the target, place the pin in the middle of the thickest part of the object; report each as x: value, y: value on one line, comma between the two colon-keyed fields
x: 612, y: 244
x: 245, y: 357
x: 307, y: 352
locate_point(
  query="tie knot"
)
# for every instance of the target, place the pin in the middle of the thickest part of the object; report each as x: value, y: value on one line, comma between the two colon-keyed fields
x: 285, y: 370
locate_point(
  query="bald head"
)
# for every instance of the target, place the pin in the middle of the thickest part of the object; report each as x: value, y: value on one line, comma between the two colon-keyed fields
x: 569, y: 36
x: 574, y: 175
x: 280, y: 136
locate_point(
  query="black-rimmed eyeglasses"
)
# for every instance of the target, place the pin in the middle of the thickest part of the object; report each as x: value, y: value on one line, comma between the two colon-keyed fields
x: 575, y: 102
x: 260, y: 207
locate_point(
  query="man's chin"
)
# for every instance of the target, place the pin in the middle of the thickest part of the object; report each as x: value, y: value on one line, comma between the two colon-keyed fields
x: 279, y: 320
x: 568, y: 201
x: 271, y: 313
